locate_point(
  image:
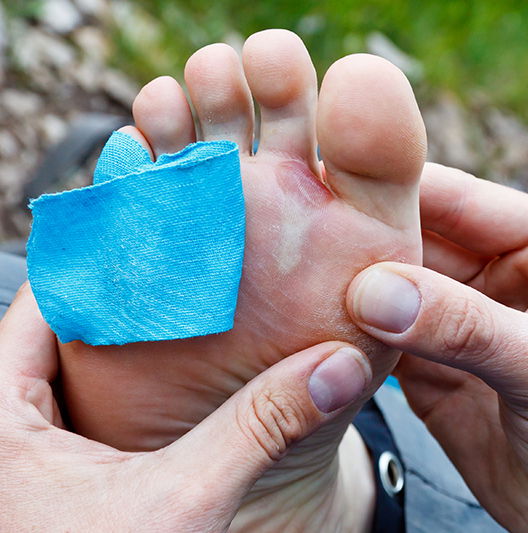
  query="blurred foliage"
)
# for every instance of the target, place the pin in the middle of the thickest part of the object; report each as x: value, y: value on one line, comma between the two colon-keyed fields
x: 476, y: 46
x: 22, y: 9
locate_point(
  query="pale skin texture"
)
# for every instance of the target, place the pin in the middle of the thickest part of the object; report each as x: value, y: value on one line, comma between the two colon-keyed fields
x: 477, y: 233
x: 305, y: 241
x: 54, y: 480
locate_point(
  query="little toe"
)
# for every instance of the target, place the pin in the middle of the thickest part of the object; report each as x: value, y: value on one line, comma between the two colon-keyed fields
x: 283, y: 81
x: 220, y: 95
x: 139, y: 137
x: 163, y: 116
x: 372, y: 138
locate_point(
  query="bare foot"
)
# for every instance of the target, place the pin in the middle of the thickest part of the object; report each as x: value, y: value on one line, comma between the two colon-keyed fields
x: 309, y: 231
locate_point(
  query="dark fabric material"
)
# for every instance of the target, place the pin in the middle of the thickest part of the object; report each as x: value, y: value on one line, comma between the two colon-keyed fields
x: 389, y: 513
x: 436, y: 497
x: 12, y: 275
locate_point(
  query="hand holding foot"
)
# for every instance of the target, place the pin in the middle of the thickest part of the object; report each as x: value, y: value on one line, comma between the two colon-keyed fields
x: 53, y: 480
x: 476, y: 232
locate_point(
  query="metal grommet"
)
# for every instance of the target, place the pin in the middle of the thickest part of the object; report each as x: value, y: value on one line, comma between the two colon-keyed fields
x: 391, y: 473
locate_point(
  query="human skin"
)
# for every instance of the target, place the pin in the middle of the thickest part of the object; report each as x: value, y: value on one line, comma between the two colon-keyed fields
x: 54, y: 480
x: 309, y: 231
x: 468, y: 376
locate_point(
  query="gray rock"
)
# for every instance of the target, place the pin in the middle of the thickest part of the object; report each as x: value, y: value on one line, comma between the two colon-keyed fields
x: 8, y: 145
x: 63, y: 59
x: 511, y: 136
x: 92, y: 42
x: 508, y: 162
x: 87, y: 75
x: 20, y: 103
x: 94, y: 8
x: 34, y: 50
x: 52, y: 129
x: 28, y: 137
x: 451, y: 134
x: 119, y: 87
x: 380, y: 45
x: 61, y: 16
x: 9, y: 176
x: 140, y: 28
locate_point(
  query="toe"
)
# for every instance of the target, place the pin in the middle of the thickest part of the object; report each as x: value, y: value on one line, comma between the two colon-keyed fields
x: 220, y: 95
x: 372, y: 137
x: 139, y: 137
x: 163, y: 116
x: 282, y: 79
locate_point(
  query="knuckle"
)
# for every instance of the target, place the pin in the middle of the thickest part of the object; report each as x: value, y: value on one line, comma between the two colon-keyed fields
x: 273, y: 421
x: 466, y: 330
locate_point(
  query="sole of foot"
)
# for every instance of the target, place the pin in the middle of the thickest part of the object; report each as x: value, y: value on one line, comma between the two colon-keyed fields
x: 311, y: 226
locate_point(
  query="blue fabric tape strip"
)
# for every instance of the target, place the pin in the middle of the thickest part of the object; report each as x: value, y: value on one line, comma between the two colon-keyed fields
x: 150, y: 251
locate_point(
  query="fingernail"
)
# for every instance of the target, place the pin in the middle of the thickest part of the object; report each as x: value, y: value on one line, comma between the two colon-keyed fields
x: 339, y: 379
x: 386, y: 301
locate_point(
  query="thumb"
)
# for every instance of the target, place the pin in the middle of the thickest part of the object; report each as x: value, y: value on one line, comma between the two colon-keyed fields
x: 254, y: 429
x: 432, y: 316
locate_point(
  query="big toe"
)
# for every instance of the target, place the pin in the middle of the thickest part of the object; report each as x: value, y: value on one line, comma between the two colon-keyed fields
x: 372, y: 138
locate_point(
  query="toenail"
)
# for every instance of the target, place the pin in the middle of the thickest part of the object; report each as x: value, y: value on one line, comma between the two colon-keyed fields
x: 386, y: 301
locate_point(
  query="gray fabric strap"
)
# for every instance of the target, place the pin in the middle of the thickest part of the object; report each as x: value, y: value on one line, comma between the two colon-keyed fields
x: 12, y: 275
x: 436, y: 497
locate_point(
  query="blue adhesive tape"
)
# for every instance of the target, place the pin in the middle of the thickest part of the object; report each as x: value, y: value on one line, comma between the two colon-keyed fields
x: 150, y: 251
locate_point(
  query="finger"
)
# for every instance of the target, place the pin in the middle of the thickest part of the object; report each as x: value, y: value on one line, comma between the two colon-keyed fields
x: 479, y: 215
x: 462, y: 414
x: 426, y: 383
x: 255, y: 428
x: 27, y: 345
x: 506, y: 279
x: 502, y: 278
x: 429, y: 315
x: 450, y: 259
x: 438, y: 393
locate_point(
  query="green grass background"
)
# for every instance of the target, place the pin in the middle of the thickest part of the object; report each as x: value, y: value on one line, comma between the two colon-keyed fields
x: 475, y: 47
